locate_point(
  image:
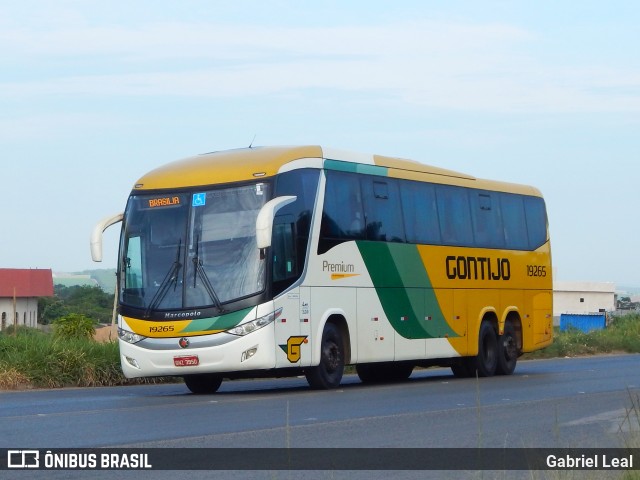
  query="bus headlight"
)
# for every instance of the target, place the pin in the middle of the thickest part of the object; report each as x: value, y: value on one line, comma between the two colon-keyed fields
x: 253, y: 325
x: 129, y: 337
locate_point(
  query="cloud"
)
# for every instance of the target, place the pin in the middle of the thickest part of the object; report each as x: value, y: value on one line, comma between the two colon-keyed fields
x: 425, y: 64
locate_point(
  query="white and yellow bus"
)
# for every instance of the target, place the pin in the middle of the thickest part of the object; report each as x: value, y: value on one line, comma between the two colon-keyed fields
x: 280, y: 261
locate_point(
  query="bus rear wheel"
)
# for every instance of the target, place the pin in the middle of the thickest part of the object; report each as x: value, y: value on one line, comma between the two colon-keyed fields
x: 485, y: 364
x: 507, y: 351
x: 203, y: 383
x: 487, y: 360
x: 328, y: 374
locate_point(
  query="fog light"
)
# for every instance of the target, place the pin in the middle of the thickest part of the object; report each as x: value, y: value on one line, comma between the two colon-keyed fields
x: 247, y: 354
x: 132, y: 362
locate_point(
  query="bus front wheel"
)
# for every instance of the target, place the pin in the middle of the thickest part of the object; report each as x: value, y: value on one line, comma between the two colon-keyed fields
x: 203, y: 383
x: 328, y: 373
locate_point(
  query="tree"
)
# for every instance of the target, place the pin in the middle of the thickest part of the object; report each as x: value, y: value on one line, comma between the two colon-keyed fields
x: 89, y: 301
x: 51, y: 309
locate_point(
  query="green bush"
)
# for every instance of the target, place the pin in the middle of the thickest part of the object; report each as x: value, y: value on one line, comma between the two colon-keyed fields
x: 73, y: 325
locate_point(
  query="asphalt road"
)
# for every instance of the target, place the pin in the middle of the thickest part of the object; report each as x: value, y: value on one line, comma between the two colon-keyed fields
x: 579, y: 402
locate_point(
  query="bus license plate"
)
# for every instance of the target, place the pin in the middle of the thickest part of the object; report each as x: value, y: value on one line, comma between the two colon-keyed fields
x: 186, y: 361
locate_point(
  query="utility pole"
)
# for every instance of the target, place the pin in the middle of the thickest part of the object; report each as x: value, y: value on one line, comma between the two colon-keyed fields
x: 15, y: 322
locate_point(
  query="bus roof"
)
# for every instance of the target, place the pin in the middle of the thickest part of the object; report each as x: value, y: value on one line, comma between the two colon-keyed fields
x: 260, y: 162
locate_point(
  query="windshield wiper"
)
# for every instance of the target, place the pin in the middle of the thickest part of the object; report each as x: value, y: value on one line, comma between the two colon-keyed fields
x: 170, y: 278
x: 126, y: 265
x: 199, y: 272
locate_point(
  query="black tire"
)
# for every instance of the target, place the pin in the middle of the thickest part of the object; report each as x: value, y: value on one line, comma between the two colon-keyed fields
x: 401, y: 372
x: 203, y: 383
x: 368, y: 373
x: 507, y: 350
x: 384, y: 372
x: 463, y: 369
x: 328, y: 374
x: 486, y: 362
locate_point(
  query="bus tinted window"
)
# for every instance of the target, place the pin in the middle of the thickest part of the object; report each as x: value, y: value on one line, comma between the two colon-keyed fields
x: 370, y: 207
x: 420, y: 212
x: 536, y: 221
x: 454, y: 215
x: 291, y: 226
x: 342, y: 216
x: 487, y: 221
x: 514, y: 220
x: 382, y: 209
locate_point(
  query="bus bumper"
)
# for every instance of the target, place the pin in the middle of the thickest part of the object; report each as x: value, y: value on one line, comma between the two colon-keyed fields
x: 255, y: 351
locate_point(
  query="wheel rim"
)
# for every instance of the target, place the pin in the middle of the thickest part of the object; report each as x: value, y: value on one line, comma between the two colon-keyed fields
x: 509, y: 348
x: 331, y: 357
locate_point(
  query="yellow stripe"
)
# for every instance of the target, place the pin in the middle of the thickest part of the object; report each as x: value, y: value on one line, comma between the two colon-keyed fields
x: 339, y: 276
x: 162, y: 329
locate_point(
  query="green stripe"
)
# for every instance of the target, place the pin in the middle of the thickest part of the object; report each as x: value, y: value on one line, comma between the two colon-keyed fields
x: 355, y: 168
x: 404, y: 289
x: 222, y: 322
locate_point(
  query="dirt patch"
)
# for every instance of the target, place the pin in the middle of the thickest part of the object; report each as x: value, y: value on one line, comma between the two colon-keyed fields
x: 106, y: 334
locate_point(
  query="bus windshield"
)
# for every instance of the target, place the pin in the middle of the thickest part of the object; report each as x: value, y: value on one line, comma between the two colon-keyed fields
x: 195, y: 249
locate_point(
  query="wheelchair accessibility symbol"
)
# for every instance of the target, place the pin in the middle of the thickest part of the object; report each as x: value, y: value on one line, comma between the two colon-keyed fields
x: 199, y: 199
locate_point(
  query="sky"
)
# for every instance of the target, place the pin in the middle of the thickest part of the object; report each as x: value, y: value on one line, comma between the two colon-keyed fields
x: 95, y: 94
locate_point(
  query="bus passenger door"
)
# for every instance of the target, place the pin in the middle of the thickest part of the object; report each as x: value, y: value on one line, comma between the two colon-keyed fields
x: 305, y: 326
x: 375, y: 334
x: 288, y: 336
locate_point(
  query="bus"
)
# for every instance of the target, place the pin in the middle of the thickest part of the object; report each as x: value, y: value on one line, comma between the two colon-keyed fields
x: 279, y: 261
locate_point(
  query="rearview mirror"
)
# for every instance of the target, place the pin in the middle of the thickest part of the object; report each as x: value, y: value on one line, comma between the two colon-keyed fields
x: 96, y: 235
x: 264, y: 222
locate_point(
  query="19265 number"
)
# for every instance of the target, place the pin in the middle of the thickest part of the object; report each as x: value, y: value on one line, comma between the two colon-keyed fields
x: 536, y: 270
x: 161, y: 329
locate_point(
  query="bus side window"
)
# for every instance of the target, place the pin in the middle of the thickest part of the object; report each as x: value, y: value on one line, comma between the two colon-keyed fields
x: 536, y: 221
x: 454, y: 215
x: 487, y: 222
x: 382, y: 209
x: 342, y: 214
x: 515, y: 224
x: 420, y: 212
x: 292, y: 226
x: 283, y: 248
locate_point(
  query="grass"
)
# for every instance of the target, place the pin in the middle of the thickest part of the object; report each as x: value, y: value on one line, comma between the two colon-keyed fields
x: 34, y: 359
x: 621, y: 336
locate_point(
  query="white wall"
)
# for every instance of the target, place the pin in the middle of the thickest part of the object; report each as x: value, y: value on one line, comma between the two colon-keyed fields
x: 26, y: 308
x: 583, y: 297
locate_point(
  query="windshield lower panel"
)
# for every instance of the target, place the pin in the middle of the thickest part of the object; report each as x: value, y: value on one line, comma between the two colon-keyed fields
x: 191, y: 250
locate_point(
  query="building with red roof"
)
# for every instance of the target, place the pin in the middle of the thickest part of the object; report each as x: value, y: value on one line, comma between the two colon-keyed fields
x: 19, y: 293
